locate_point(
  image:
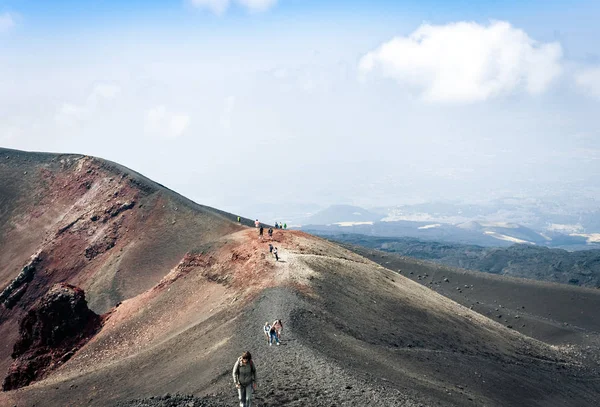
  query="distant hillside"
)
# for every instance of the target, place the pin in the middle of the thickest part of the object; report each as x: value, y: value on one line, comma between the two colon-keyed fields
x: 471, y: 233
x: 343, y: 214
x: 519, y: 260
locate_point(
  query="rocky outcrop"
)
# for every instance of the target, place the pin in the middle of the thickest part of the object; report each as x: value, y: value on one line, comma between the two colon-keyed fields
x: 15, y: 290
x: 50, y: 333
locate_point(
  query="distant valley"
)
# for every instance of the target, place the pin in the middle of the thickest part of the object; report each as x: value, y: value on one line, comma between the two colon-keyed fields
x: 490, y: 225
x: 518, y: 260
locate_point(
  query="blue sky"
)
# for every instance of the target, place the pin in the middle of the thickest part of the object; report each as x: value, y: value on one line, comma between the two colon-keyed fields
x: 362, y: 102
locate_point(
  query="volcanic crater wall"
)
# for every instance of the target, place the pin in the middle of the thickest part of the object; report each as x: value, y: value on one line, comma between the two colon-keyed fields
x: 92, y: 224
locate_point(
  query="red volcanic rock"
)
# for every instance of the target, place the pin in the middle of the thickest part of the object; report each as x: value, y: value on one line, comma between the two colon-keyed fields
x: 50, y: 333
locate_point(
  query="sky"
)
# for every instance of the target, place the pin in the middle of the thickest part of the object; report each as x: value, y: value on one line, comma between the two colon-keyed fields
x: 243, y: 103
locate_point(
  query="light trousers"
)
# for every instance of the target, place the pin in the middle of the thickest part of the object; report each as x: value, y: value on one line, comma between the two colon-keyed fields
x: 245, y: 394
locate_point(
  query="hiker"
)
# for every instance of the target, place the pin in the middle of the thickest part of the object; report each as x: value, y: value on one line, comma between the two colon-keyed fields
x: 276, y: 225
x: 278, y: 327
x: 256, y: 223
x: 270, y: 233
x: 266, y: 330
x: 260, y: 232
x: 275, y: 254
x: 285, y: 225
x: 239, y: 219
x: 270, y: 248
x: 244, y: 377
x: 273, y: 335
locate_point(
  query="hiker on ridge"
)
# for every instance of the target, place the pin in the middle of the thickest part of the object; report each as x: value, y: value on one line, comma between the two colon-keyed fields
x: 285, y: 225
x: 270, y: 248
x: 270, y: 233
x: 275, y: 254
x: 266, y: 330
x: 260, y: 232
x: 273, y: 335
x: 244, y: 377
x: 278, y: 327
x: 256, y: 223
x: 276, y: 225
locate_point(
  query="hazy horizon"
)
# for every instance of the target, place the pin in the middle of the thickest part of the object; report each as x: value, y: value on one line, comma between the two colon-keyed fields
x: 255, y: 102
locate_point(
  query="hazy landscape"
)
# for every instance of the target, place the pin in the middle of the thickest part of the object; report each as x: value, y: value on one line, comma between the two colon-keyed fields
x: 211, y: 203
x: 179, y: 289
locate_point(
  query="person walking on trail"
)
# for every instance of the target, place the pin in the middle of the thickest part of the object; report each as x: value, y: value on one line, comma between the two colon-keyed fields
x: 278, y: 327
x: 266, y: 330
x: 244, y: 378
x: 270, y: 248
x: 276, y: 225
x: 256, y: 223
x: 275, y: 254
x: 260, y: 232
x: 273, y: 336
x: 239, y: 219
x: 285, y: 225
x: 270, y: 231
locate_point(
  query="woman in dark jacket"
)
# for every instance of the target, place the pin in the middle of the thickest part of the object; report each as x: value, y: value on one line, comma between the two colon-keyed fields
x: 244, y: 377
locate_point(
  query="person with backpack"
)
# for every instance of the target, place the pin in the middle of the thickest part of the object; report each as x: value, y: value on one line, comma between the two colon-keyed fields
x: 260, y: 232
x: 285, y: 225
x: 244, y: 378
x: 266, y: 330
x: 270, y: 248
x: 273, y: 335
x: 270, y: 233
x: 276, y: 225
x: 275, y: 254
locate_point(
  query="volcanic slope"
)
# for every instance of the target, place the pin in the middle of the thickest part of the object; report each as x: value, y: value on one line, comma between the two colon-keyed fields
x: 91, y: 223
x: 558, y: 314
x: 355, y: 333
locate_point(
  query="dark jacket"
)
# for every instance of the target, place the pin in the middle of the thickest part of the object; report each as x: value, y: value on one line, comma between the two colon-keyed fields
x: 244, y: 374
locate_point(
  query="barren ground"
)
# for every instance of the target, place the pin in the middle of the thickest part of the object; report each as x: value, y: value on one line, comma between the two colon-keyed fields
x: 185, y: 290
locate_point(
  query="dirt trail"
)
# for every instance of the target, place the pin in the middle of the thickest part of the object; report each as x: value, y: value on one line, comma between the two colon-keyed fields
x: 294, y: 374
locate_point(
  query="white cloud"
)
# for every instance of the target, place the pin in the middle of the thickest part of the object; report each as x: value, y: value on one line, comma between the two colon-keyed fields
x: 103, y: 91
x: 163, y: 123
x: 220, y: 6
x: 466, y: 62
x: 70, y: 114
x: 6, y: 22
x: 216, y: 6
x: 257, y: 5
x: 589, y: 81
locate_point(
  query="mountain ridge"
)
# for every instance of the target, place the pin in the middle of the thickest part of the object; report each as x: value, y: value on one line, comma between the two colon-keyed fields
x: 183, y: 290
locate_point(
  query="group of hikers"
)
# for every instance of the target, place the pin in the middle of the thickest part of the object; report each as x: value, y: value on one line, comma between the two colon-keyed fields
x: 261, y: 229
x: 244, y: 371
x: 273, y: 331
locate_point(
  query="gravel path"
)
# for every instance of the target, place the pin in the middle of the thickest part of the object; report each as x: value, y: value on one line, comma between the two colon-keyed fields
x: 288, y: 375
